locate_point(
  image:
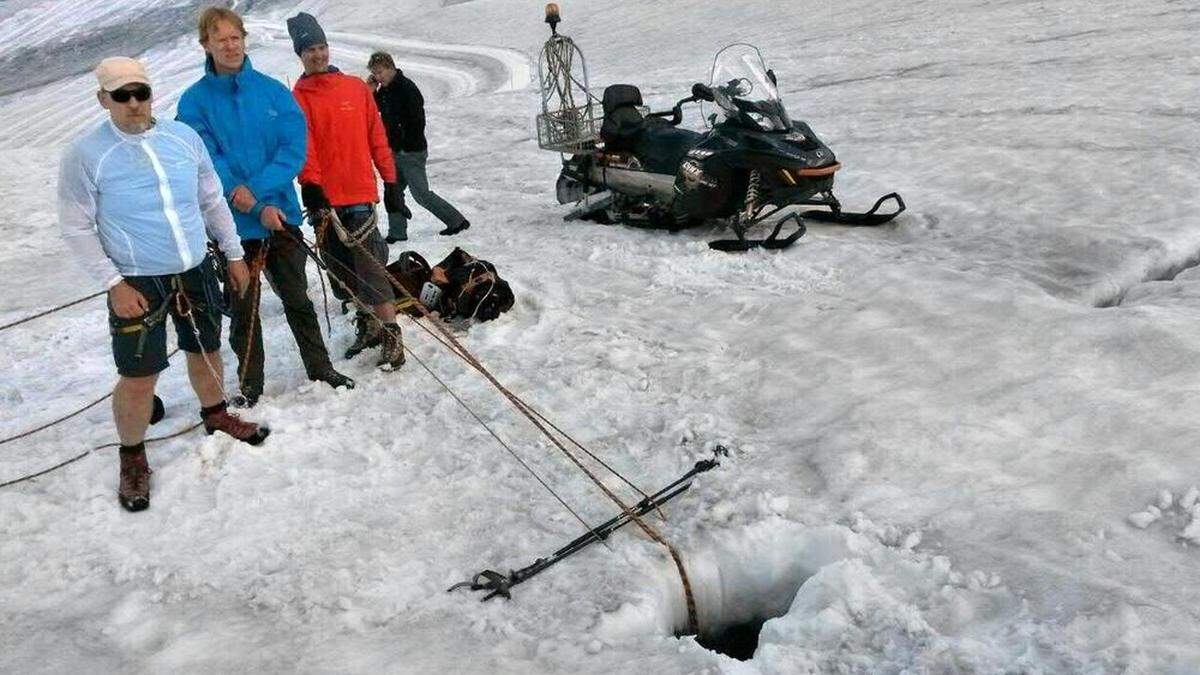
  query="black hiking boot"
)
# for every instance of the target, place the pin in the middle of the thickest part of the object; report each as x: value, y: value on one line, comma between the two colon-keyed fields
x: 332, y: 378
x: 133, y: 491
x: 218, y: 418
x: 455, y: 229
x: 366, y: 334
x: 391, y: 355
x: 247, y: 398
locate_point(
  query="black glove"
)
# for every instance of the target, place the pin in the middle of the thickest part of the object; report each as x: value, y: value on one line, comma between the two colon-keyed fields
x: 313, y: 197
x: 393, y: 200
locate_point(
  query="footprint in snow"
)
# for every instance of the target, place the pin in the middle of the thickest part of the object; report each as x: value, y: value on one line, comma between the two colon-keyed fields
x: 1182, y: 513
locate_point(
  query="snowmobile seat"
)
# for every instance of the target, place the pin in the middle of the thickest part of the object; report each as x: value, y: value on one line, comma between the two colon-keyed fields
x: 662, y: 147
x: 622, y: 119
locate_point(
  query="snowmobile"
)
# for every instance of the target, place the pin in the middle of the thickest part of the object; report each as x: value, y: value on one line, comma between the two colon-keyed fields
x: 642, y: 168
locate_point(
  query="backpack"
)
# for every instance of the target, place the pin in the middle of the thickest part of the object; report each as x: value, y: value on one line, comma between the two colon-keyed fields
x: 461, y: 286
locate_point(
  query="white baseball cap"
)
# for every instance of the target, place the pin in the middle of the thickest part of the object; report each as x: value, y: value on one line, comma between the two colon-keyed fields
x: 117, y: 71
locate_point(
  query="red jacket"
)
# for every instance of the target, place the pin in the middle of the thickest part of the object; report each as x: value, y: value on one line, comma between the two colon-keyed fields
x: 345, y: 135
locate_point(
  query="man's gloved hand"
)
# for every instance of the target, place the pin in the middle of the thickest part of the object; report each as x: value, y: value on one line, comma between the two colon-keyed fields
x: 313, y: 197
x: 393, y: 200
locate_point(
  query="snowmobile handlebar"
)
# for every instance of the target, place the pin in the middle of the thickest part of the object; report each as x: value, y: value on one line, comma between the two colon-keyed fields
x: 674, y: 116
x: 702, y: 92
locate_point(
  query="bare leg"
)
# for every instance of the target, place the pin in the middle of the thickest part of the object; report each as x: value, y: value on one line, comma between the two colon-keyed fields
x: 386, y: 312
x: 133, y: 400
x: 208, y: 388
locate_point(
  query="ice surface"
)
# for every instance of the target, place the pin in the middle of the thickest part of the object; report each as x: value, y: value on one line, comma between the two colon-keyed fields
x: 938, y: 427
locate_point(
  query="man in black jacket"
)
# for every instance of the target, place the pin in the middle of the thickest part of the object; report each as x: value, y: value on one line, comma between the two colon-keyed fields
x: 403, y: 110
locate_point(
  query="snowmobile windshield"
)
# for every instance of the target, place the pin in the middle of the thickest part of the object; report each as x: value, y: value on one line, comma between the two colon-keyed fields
x: 744, y: 91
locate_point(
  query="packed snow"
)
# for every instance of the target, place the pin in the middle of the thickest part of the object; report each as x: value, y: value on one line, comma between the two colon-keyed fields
x: 964, y: 441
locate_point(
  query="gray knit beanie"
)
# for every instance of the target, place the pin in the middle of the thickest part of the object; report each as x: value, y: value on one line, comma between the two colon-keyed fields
x: 305, y: 32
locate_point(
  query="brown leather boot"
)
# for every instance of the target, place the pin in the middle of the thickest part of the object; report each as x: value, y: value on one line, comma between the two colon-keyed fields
x: 218, y: 418
x: 366, y: 334
x: 391, y: 354
x: 134, y: 489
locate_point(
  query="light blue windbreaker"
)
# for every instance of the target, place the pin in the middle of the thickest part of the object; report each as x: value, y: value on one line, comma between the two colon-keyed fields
x: 142, y: 204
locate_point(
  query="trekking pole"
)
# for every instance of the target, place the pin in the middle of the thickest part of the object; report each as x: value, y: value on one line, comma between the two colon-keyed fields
x: 499, y: 585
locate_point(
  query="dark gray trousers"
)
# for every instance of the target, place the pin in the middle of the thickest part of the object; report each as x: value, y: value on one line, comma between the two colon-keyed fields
x: 284, y: 270
x: 410, y: 173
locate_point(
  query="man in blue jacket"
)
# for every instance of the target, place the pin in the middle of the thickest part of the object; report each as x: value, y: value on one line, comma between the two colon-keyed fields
x: 256, y: 135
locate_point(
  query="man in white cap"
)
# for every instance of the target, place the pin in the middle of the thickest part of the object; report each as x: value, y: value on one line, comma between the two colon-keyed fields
x: 138, y: 200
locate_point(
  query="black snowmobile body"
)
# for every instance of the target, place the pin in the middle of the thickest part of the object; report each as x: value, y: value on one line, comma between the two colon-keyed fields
x: 746, y: 168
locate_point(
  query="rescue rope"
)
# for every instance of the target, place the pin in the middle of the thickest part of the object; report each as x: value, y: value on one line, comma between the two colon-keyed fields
x: 522, y: 407
x: 364, y: 308
x: 52, y: 310
x: 68, y: 416
x: 256, y: 268
x: 80, y: 456
x: 184, y: 306
x: 542, y: 417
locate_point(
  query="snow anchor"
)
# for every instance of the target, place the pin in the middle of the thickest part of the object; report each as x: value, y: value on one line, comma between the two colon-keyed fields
x: 497, y: 584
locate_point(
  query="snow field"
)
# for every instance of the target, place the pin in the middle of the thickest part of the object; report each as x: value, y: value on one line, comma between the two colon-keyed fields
x: 936, y: 432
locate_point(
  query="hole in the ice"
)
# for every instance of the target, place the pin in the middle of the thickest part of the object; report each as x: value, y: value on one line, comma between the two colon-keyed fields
x: 738, y: 641
x: 740, y: 581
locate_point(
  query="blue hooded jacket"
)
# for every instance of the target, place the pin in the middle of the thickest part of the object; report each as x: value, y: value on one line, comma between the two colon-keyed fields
x: 256, y: 135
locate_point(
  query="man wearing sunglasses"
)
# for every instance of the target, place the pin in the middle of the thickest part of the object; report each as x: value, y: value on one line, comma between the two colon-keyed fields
x: 256, y: 136
x: 138, y: 200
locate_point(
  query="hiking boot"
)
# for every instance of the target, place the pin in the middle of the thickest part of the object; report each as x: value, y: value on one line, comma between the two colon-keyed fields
x: 332, y: 378
x: 366, y: 334
x: 398, y: 238
x: 134, y: 489
x: 247, y: 398
x: 218, y: 418
x: 391, y: 355
x: 455, y: 229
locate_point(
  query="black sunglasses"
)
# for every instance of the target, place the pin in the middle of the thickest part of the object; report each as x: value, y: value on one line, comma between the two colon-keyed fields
x: 140, y: 92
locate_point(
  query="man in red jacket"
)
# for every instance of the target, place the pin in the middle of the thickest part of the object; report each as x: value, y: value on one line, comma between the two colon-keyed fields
x: 346, y: 145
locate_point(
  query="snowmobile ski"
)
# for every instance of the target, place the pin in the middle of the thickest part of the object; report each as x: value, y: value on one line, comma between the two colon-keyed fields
x: 869, y: 219
x: 497, y: 584
x: 772, y: 241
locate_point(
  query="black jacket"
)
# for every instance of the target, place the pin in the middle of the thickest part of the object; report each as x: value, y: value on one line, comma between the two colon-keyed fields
x: 403, y: 110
